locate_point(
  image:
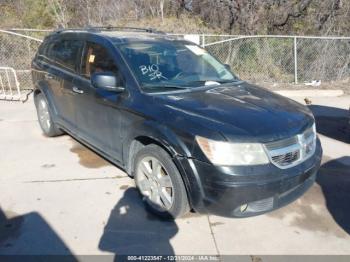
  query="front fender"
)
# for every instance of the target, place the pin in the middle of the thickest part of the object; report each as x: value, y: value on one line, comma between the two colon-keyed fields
x: 163, y: 135
x: 177, y: 144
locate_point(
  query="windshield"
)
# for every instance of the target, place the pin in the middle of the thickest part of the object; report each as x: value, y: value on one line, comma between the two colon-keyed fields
x: 160, y: 66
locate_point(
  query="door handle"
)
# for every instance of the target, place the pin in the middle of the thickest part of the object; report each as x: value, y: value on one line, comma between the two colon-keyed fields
x: 77, y: 90
x: 49, y: 76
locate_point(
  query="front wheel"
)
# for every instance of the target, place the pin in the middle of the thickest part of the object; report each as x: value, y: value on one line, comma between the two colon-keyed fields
x: 160, y: 183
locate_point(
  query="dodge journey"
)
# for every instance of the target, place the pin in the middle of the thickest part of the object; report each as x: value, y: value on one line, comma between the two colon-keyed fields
x: 190, y: 133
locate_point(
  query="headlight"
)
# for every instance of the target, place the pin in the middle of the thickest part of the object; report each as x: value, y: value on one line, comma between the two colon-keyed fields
x: 232, y: 154
x: 308, y: 139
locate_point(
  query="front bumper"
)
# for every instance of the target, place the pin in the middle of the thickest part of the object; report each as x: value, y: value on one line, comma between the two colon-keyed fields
x: 247, y: 191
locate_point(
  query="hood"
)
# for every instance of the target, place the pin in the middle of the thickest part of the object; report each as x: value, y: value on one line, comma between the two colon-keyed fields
x: 241, y: 111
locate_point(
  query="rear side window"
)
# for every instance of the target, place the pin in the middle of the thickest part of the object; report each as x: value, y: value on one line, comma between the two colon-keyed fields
x: 65, y: 53
x: 96, y: 59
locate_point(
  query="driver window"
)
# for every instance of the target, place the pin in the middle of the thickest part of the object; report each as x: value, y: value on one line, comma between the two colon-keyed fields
x: 96, y: 59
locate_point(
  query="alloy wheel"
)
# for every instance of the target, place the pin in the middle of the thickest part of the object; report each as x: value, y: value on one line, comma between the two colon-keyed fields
x: 155, y: 183
x: 44, y: 115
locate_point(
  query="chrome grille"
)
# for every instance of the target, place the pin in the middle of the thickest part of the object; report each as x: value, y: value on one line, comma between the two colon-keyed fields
x: 292, y: 151
x: 286, y: 159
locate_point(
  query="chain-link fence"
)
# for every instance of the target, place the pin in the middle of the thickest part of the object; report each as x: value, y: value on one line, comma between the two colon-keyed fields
x: 324, y: 59
x: 17, y: 49
x: 275, y: 59
x: 284, y: 58
x: 257, y: 59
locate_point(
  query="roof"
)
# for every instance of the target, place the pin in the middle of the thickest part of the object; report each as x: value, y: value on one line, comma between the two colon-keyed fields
x: 119, y: 34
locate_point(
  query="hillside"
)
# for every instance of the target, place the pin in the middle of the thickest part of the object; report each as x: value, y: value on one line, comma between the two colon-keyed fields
x: 302, y: 17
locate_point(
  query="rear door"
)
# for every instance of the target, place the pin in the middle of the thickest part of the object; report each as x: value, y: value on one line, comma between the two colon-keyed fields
x: 50, y: 76
x: 64, y: 55
x: 98, y: 115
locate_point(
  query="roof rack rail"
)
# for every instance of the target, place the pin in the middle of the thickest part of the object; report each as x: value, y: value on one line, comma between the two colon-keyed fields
x: 109, y: 27
x: 112, y: 28
x: 62, y: 29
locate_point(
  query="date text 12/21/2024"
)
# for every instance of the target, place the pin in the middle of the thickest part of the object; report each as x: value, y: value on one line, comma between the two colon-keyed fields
x: 174, y: 258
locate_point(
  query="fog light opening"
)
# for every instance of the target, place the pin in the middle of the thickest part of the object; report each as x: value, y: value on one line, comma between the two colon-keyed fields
x: 243, y: 208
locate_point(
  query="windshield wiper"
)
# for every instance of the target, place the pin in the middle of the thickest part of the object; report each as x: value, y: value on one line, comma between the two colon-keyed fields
x: 213, y: 80
x: 166, y: 86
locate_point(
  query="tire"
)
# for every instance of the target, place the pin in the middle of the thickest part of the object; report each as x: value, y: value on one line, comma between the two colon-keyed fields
x: 156, y: 174
x: 44, y: 117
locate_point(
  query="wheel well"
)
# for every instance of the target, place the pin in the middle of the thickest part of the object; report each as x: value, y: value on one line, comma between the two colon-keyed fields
x: 142, y: 141
x: 37, y: 92
x: 137, y: 144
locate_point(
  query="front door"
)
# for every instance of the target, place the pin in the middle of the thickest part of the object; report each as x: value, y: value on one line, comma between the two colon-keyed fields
x: 98, y: 114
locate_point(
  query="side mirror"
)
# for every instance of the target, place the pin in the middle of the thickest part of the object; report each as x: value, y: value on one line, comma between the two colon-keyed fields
x: 106, y: 81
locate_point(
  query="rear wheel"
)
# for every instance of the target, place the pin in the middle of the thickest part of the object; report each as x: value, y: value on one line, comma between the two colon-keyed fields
x: 44, y: 117
x: 160, y: 182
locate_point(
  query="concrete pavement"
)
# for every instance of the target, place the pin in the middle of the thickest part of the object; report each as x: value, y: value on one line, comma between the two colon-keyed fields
x: 58, y: 197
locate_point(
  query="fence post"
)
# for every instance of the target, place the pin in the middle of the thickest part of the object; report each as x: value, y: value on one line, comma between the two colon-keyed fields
x: 295, y: 61
x: 8, y: 81
x: 203, y: 40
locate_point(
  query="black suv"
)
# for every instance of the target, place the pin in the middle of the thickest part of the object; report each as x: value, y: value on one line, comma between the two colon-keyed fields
x: 191, y: 134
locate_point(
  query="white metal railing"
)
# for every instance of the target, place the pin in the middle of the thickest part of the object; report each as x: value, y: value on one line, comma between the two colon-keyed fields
x: 17, y: 49
x: 10, y: 89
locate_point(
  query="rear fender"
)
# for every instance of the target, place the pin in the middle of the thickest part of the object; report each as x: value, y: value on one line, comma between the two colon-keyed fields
x: 42, y: 87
